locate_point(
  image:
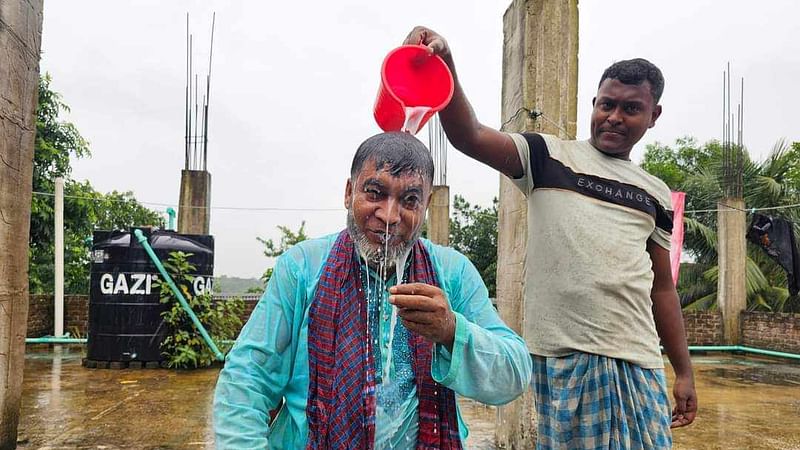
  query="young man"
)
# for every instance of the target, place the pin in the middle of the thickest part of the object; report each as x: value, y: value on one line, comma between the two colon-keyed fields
x: 599, y: 292
x: 325, y: 338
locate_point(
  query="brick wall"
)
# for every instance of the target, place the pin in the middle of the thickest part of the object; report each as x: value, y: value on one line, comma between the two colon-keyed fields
x: 764, y: 330
x: 703, y: 328
x: 771, y: 331
x: 76, y: 313
x: 41, y: 310
x: 40, y: 315
x: 250, y: 302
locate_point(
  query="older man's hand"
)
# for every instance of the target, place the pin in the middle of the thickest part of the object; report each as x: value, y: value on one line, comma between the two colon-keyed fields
x: 425, y: 311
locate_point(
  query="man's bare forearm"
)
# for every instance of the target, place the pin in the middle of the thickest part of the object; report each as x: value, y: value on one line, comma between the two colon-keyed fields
x: 669, y: 324
x: 458, y: 118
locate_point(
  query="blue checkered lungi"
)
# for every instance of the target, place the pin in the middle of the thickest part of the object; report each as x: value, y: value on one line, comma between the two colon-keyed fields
x: 586, y: 401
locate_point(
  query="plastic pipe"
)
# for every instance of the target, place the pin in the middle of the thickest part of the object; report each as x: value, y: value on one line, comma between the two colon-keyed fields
x: 55, y: 340
x: 714, y: 348
x: 58, y: 276
x: 143, y: 240
x: 743, y: 349
x: 769, y: 352
x: 171, y: 214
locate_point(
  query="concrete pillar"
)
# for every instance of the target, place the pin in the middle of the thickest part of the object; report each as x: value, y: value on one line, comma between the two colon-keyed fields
x: 194, y: 210
x: 439, y: 215
x: 540, y: 71
x: 20, y: 41
x: 732, y: 254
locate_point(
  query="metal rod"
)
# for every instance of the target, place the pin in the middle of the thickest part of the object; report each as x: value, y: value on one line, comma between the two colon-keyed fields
x: 205, y: 122
x: 194, y: 135
x: 186, y: 101
x: 191, y: 70
x: 741, y: 116
x: 730, y: 122
x: 203, y: 133
x: 208, y: 93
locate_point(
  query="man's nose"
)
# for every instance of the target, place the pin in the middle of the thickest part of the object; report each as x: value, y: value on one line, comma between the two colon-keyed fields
x: 389, y: 212
x: 615, y: 118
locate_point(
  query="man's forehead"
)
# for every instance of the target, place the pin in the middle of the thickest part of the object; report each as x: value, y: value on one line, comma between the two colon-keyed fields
x: 615, y: 89
x: 371, y: 170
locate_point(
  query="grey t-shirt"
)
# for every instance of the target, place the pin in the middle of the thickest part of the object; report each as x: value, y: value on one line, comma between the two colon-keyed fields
x: 588, y: 274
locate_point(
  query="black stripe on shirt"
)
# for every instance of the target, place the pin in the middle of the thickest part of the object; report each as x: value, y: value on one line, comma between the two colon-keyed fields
x: 547, y: 172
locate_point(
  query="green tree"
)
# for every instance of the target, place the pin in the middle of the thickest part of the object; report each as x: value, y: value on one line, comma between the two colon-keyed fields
x: 288, y: 239
x: 698, y: 171
x: 473, y: 232
x: 85, y: 209
x: 56, y: 141
x: 794, y: 172
x: 184, y: 346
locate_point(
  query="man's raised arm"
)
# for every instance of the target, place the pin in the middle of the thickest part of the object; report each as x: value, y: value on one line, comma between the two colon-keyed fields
x: 469, y: 136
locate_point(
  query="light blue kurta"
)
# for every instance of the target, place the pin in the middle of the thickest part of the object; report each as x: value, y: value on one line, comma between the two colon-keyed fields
x: 269, y: 361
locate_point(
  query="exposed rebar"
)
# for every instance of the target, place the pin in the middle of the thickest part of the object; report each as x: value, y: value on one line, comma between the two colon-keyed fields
x: 437, y: 141
x: 732, y: 176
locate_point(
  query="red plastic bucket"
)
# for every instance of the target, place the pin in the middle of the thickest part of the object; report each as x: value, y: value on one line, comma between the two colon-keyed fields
x: 414, y: 87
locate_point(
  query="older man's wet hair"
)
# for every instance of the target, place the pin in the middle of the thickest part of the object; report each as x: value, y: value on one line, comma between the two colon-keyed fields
x: 398, y: 152
x: 635, y: 72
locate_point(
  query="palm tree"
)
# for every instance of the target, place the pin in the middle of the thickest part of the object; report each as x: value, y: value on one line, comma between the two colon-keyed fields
x: 767, y: 184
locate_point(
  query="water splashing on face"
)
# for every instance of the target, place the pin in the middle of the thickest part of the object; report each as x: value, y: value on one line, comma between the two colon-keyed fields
x: 388, y: 367
x: 368, y: 297
x: 400, y: 265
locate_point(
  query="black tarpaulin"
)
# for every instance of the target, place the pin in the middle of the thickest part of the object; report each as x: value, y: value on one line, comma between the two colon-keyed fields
x: 776, y: 237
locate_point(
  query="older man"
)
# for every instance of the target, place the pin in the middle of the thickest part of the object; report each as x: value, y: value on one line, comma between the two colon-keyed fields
x: 368, y: 335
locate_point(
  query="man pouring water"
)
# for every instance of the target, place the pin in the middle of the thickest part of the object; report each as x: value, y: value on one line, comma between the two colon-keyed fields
x: 599, y: 295
x: 368, y: 336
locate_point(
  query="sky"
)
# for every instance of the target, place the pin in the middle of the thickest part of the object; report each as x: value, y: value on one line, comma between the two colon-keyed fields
x: 293, y: 86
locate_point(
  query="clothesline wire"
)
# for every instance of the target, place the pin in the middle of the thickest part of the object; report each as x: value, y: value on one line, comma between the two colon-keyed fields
x: 270, y: 208
x: 728, y: 208
x: 229, y: 208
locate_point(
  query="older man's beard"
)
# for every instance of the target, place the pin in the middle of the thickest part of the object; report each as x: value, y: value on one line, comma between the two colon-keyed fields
x: 374, y: 253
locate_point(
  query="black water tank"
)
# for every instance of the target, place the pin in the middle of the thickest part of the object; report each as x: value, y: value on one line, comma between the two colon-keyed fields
x: 125, y: 321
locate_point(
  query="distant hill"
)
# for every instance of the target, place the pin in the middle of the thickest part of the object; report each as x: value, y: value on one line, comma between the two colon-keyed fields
x: 237, y: 286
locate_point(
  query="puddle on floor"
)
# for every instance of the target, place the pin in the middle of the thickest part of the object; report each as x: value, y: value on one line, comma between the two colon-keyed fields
x: 745, y: 403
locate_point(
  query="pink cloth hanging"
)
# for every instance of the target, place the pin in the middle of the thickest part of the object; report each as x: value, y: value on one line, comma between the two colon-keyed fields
x: 676, y: 242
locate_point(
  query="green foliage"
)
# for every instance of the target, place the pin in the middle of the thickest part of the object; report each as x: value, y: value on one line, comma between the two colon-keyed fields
x: 184, y: 347
x: 674, y: 165
x: 288, y: 239
x: 793, y: 174
x: 234, y: 285
x: 255, y: 289
x: 697, y: 170
x: 84, y: 208
x: 473, y: 232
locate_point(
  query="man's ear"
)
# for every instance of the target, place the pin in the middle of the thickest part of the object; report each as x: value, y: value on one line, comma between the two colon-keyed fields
x: 594, y: 99
x: 655, y: 116
x: 348, y: 194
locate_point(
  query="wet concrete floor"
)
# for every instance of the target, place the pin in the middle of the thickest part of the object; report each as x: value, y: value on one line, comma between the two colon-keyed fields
x: 745, y: 403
